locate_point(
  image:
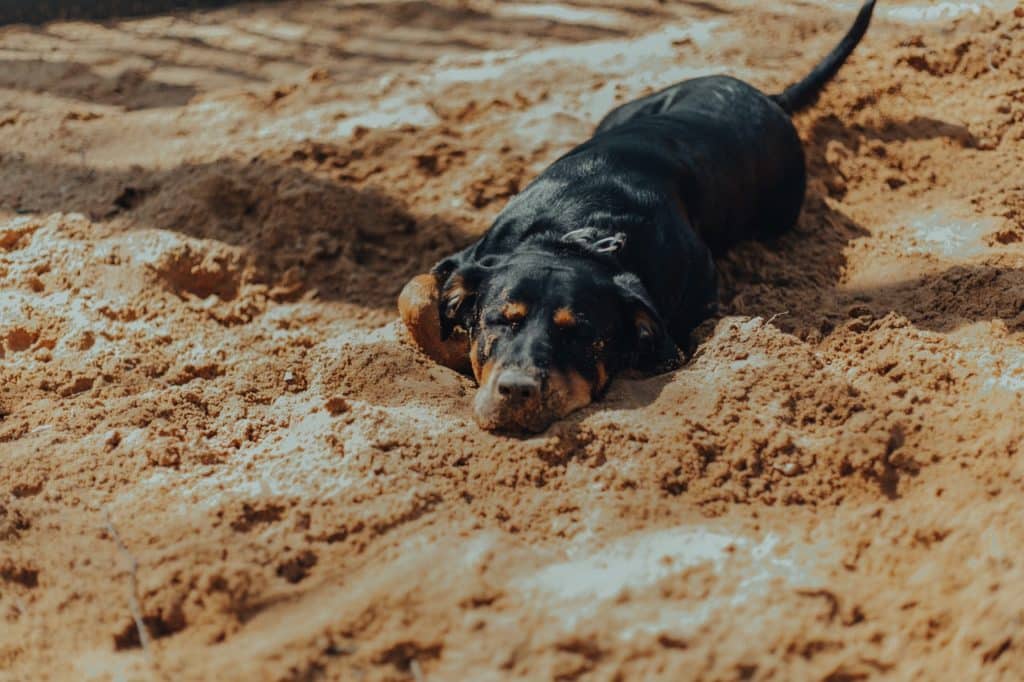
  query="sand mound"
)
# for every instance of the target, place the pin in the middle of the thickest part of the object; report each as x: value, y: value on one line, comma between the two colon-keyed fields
x: 221, y: 459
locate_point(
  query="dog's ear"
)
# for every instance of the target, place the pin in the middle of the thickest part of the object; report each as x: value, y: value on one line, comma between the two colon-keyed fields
x: 419, y: 305
x: 436, y: 308
x: 596, y: 240
x: 459, y: 280
x: 648, y: 345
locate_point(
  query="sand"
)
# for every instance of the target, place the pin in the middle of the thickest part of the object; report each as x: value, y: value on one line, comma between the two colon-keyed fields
x: 220, y: 457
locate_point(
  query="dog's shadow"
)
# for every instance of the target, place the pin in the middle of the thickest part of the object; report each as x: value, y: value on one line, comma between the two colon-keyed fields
x: 795, y: 283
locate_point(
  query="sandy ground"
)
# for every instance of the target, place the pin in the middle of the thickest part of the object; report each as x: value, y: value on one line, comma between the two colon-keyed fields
x: 220, y: 458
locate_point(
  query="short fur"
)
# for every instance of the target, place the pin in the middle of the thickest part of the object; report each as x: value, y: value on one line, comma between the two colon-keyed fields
x: 622, y: 231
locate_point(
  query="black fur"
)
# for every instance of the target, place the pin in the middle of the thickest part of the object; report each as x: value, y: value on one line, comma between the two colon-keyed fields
x: 676, y: 177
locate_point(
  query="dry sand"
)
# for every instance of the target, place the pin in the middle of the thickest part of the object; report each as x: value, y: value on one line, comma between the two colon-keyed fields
x: 221, y: 460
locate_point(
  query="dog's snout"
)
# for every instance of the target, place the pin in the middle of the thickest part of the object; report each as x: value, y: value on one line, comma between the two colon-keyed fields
x: 518, y: 387
x: 513, y: 399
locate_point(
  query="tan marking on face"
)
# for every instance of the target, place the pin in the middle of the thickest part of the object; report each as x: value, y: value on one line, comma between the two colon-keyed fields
x: 474, y: 358
x: 485, y: 373
x: 568, y: 391
x: 565, y: 318
x: 514, y: 311
x: 478, y: 357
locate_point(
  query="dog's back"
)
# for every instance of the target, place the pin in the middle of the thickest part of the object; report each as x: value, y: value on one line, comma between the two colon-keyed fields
x: 604, y: 262
x: 741, y: 164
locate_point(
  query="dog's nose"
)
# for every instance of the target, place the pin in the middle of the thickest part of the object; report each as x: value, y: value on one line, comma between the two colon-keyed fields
x: 518, y: 387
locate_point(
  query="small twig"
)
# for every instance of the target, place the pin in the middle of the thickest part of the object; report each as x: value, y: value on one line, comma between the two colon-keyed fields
x: 776, y: 316
x: 133, y: 595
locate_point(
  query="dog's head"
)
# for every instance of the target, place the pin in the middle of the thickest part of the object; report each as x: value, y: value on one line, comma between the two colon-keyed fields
x: 543, y: 330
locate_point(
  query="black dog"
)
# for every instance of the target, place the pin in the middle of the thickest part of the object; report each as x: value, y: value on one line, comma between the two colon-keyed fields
x: 604, y: 262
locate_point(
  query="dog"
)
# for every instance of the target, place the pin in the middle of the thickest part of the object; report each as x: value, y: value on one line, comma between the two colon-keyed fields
x: 605, y: 262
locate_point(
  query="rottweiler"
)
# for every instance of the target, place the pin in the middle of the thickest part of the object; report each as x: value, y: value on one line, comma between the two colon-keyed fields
x: 605, y: 262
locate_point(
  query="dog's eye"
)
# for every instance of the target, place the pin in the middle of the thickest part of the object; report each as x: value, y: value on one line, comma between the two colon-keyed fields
x: 497, y: 320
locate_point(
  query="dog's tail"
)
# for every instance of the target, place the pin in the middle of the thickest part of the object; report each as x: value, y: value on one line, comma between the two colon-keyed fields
x: 802, y: 94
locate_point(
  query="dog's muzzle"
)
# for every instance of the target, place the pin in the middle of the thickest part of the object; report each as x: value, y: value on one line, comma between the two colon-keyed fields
x: 512, y: 400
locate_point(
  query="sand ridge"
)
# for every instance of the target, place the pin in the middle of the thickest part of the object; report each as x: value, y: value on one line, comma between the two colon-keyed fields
x: 214, y: 432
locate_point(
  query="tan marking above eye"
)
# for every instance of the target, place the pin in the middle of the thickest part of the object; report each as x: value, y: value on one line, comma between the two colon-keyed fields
x: 514, y: 311
x: 565, y: 318
x: 570, y: 391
